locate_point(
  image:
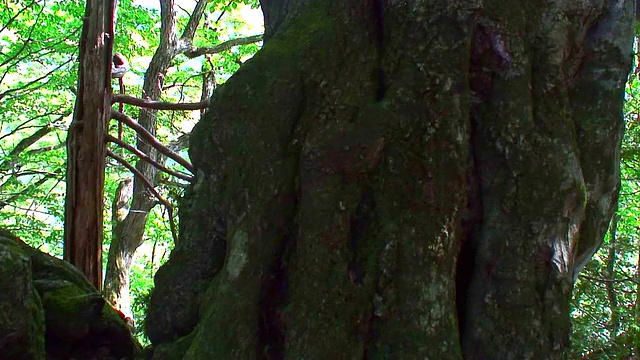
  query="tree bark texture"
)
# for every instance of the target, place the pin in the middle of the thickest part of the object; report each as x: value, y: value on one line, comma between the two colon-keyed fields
x: 120, y: 260
x: 86, y: 146
x: 385, y: 179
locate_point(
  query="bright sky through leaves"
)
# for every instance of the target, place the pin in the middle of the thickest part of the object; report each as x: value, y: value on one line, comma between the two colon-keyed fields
x: 253, y: 17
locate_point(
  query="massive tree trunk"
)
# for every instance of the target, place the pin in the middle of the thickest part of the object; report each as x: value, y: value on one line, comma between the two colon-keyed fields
x: 415, y: 179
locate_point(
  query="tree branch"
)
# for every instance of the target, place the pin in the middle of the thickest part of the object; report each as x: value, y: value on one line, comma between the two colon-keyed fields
x: 47, y: 148
x: 155, y: 193
x: 24, y: 191
x: 24, y: 144
x: 626, y: 279
x: 148, y: 159
x: 15, y: 16
x: 194, y: 20
x: 158, y: 105
x: 23, y: 125
x: 26, y: 85
x: 28, y: 40
x: 30, y: 140
x: 150, y: 139
x: 195, y: 52
x: 182, y: 142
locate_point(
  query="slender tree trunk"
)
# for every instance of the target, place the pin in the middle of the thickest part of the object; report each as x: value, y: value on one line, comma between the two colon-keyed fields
x: 128, y: 235
x: 636, y: 347
x: 119, y: 259
x: 85, y: 143
x: 400, y: 179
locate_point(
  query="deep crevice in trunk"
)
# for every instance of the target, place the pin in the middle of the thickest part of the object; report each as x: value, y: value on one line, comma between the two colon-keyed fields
x: 471, y: 227
x: 480, y: 83
x: 274, y: 287
x: 364, y: 245
x: 359, y: 226
x: 274, y: 295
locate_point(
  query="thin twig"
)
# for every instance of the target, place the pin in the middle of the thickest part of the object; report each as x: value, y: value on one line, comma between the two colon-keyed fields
x: 24, y: 191
x: 224, y: 10
x: 629, y: 279
x: 15, y: 16
x: 150, y: 187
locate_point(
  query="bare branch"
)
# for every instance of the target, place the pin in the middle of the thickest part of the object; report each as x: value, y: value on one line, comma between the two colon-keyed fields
x: 150, y: 139
x: 183, y: 9
x: 224, y: 11
x: 159, y: 105
x: 46, y: 47
x: 166, y: 181
x: 148, y: 159
x: 195, y: 52
x: 626, y: 279
x: 151, y: 189
x: 31, y: 172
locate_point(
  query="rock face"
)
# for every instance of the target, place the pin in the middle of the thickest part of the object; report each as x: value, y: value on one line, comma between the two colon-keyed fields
x: 49, y: 310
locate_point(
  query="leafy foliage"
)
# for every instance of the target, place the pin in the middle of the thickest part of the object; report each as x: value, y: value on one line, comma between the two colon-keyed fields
x: 37, y: 78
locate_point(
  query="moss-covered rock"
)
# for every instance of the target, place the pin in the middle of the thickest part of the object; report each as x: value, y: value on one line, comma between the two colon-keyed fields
x: 172, y: 350
x: 50, y: 310
x: 21, y: 313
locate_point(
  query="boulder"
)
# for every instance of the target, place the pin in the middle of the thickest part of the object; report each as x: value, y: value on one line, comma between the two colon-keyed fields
x: 49, y: 310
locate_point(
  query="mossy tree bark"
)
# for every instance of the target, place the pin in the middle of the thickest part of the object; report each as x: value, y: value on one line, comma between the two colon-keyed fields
x: 415, y: 179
